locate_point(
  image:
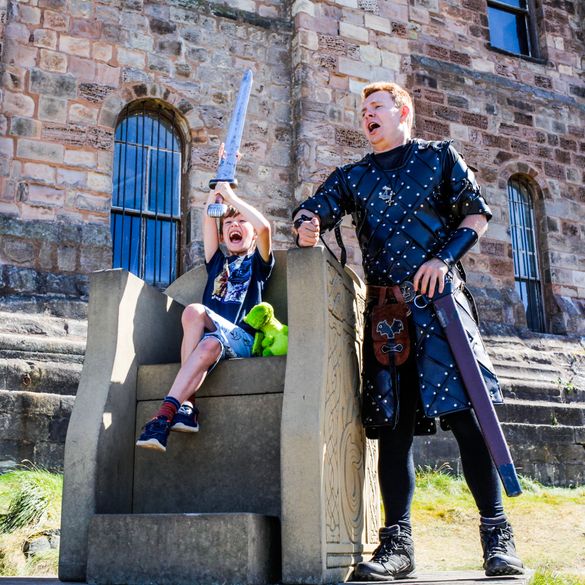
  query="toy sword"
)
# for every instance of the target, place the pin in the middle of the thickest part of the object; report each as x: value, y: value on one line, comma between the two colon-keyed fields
x: 226, y: 170
x: 477, y: 390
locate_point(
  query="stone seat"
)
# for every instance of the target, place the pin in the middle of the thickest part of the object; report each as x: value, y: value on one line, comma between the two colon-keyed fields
x: 280, y: 458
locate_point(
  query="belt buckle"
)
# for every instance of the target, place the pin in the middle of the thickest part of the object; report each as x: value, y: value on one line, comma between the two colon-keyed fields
x: 408, y: 291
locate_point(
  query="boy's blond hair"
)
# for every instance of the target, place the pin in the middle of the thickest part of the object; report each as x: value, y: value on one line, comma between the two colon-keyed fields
x: 400, y: 96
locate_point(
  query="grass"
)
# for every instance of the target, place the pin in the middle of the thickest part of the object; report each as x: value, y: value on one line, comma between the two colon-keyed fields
x: 30, y: 506
x: 549, y: 526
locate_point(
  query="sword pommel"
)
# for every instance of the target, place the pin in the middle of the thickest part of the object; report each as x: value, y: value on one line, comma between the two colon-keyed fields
x: 507, y: 473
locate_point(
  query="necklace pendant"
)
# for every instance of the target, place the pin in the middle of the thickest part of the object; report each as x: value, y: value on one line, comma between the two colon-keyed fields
x: 387, y: 195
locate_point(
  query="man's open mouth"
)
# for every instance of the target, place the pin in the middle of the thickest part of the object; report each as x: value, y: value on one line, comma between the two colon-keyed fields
x: 372, y: 126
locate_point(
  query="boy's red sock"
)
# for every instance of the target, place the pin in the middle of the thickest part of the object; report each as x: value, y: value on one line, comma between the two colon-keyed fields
x: 168, y: 408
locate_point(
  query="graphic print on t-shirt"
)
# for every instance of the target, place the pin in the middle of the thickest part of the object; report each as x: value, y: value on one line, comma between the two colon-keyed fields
x: 231, y: 284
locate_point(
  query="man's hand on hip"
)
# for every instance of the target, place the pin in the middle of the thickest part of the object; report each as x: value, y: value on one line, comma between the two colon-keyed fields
x: 430, y: 276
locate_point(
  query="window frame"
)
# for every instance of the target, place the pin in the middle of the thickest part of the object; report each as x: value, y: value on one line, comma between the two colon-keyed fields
x: 155, y: 109
x: 536, y: 317
x: 529, y: 14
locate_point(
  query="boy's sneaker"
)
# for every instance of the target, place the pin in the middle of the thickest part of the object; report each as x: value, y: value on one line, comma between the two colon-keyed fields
x: 185, y: 421
x: 155, y: 434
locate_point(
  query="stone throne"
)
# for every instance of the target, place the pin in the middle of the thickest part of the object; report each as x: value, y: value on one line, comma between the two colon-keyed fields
x: 280, y: 483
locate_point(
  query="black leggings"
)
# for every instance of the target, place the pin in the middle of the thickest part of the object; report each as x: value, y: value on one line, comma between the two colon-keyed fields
x: 396, y: 465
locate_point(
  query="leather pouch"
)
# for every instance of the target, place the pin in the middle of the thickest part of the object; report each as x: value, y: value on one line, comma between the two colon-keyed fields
x: 390, y: 335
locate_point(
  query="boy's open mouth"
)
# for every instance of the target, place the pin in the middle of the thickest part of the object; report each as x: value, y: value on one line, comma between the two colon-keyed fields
x: 235, y: 237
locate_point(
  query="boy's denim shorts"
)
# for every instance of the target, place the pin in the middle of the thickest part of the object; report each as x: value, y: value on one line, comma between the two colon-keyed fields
x: 235, y: 342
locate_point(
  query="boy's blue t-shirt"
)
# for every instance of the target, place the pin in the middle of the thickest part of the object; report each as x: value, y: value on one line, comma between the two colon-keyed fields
x: 235, y: 284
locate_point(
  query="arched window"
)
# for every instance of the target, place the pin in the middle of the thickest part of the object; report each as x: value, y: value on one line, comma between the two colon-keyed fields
x: 525, y: 252
x: 146, y: 208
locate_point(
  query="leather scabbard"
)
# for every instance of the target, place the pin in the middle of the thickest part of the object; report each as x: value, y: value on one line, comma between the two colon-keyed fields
x: 446, y: 311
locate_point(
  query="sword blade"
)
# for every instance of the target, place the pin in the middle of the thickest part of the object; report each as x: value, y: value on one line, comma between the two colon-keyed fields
x: 478, y: 392
x: 226, y: 170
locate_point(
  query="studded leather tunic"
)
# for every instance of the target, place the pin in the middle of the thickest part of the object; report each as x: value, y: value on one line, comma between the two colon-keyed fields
x: 403, y: 216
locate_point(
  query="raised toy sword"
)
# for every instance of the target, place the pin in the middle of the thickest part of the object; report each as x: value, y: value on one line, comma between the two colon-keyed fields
x: 226, y: 170
x: 477, y: 390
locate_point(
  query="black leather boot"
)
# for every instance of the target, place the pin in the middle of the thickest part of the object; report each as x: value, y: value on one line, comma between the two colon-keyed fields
x: 499, y: 551
x: 393, y: 559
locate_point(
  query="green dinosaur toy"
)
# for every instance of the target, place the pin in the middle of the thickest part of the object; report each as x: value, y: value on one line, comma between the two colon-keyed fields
x: 271, y: 335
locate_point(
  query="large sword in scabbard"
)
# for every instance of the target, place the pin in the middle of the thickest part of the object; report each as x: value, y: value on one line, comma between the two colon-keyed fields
x: 446, y: 310
x: 226, y: 170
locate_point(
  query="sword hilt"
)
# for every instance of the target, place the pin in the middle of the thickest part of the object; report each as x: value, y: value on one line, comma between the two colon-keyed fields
x: 217, y: 209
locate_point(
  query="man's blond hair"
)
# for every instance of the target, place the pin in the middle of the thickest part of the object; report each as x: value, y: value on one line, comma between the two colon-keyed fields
x: 399, y: 94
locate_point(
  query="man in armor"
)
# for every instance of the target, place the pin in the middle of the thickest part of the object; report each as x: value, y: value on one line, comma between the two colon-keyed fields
x: 417, y: 209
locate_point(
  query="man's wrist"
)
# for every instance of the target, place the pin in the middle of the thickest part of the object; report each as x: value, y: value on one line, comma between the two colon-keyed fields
x: 460, y: 242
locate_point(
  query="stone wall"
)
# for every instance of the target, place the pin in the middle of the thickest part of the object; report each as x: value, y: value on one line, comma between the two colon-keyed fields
x: 506, y: 114
x: 69, y: 69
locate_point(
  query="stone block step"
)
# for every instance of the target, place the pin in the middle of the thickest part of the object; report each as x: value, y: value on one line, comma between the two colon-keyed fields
x: 542, y: 413
x: 231, y: 377
x: 42, y: 324
x: 55, y: 306
x: 33, y: 427
x: 537, y: 390
x: 41, y: 347
x: 182, y: 549
x: 40, y: 376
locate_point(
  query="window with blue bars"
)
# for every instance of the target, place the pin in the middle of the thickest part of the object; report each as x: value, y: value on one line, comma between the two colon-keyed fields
x: 511, y: 25
x: 146, y: 200
x: 525, y: 252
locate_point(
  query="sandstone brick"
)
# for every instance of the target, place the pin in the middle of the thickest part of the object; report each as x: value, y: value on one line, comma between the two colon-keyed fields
x: 19, y: 55
x: 82, y: 69
x: 53, y: 84
x: 13, y: 78
x: 99, y: 182
x: 102, y: 51
x: 354, y: 68
x: 378, y: 23
x: 74, y: 46
x: 67, y: 257
x: 81, y: 8
x: 19, y: 251
x: 390, y: 61
x: 56, y: 20
x: 71, y: 178
x: 89, y: 202
x: 29, y: 14
x: 38, y: 150
x: 34, y: 212
x: 15, y: 31
x: 81, y: 158
x: 87, y: 29
x: 350, y: 31
x: 25, y: 127
x: 44, y: 195
x: 130, y: 58
x: 371, y: 54
x: 53, y: 61
x: 39, y: 173
x: 46, y: 38
x: 78, y: 113
x: 52, y: 109
x: 305, y: 6
x: 107, y: 75
x: 7, y: 147
x: 18, y: 104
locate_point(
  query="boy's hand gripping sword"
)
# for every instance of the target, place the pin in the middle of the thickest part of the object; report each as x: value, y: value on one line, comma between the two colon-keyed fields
x: 477, y: 391
x: 226, y: 170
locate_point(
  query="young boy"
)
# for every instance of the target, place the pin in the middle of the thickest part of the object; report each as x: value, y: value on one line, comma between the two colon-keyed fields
x: 215, y: 330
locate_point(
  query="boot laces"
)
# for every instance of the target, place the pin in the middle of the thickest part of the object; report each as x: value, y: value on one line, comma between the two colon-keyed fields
x: 388, y: 548
x: 499, y: 540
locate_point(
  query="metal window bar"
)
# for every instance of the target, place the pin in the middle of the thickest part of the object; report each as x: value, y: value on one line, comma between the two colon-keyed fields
x: 140, y: 215
x: 525, y: 255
